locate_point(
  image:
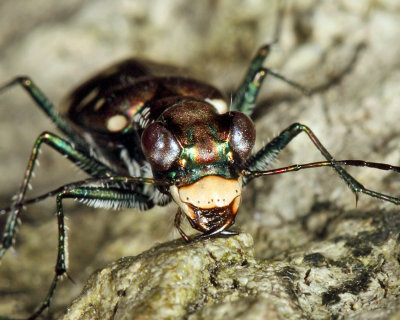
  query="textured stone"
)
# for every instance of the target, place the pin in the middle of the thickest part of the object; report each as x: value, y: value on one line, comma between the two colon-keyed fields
x: 59, y: 44
x: 349, y: 274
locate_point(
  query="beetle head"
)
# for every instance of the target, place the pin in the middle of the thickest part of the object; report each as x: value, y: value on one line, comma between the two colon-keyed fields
x: 202, y: 153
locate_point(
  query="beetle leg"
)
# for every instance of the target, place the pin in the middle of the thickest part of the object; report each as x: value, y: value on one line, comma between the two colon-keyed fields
x: 245, y: 96
x: 263, y: 157
x: 90, y: 165
x: 45, y: 104
x: 177, y: 223
x: 357, y: 163
x: 111, y: 196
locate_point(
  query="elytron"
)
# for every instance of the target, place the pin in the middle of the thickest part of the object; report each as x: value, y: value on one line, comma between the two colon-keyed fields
x: 147, y: 138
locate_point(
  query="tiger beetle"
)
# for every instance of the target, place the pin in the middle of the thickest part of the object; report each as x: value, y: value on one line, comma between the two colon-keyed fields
x: 147, y: 139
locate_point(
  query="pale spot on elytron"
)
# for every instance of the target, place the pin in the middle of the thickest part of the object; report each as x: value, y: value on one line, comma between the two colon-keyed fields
x: 117, y: 123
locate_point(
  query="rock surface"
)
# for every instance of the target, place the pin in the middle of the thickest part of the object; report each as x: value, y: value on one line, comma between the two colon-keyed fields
x: 59, y: 44
x: 347, y: 275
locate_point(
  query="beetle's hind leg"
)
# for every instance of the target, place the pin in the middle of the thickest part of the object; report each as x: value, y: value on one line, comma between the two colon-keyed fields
x: 43, y: 103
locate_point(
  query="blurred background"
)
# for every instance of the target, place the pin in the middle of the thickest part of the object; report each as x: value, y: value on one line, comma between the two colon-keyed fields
x: 60, y: 44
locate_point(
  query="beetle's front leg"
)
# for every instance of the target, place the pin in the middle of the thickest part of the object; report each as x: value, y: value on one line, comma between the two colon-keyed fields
x: 90, y: 165
x: 261, y: 160
x: 44, y: 104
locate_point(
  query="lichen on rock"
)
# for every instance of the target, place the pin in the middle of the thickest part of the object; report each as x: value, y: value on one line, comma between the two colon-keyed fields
x: 353, y: 272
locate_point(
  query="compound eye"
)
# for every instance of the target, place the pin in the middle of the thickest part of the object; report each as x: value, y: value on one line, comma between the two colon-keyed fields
x: 242, y: 134
x: 160, y: 147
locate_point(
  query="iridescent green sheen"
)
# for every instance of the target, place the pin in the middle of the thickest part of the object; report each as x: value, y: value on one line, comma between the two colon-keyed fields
x: 193, y: 170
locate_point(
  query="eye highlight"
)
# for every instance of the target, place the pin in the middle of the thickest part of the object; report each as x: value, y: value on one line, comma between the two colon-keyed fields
x: 242, y: 134
x: 160, y: 147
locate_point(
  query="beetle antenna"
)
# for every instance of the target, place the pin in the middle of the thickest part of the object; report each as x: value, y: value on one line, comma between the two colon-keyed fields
x: 352, y: 183
x: 297, y: 167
